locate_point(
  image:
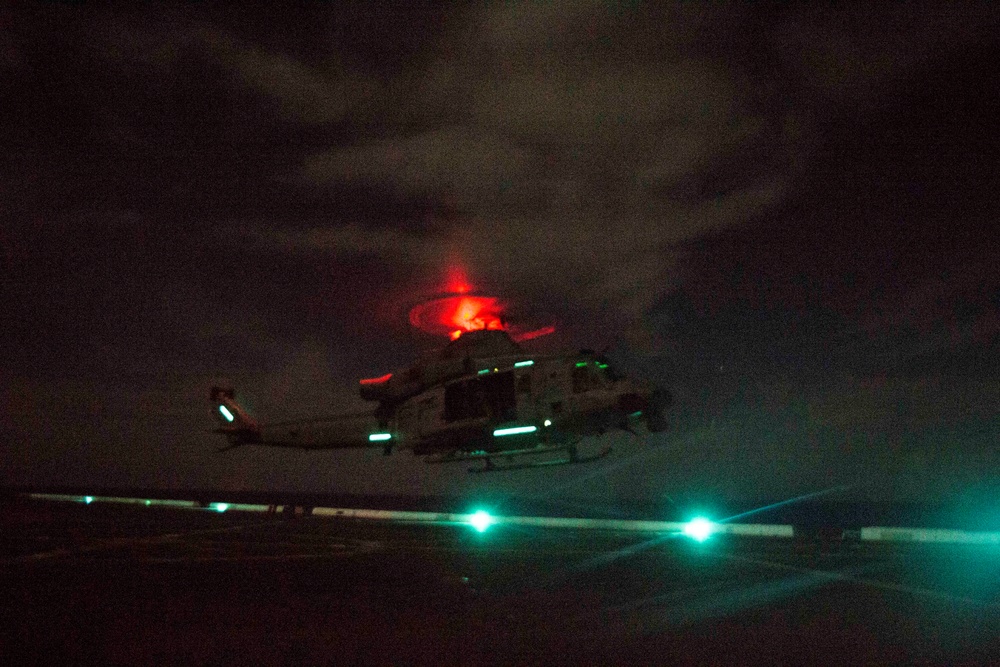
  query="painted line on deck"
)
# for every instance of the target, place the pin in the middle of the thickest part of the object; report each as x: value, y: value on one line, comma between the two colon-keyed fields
x: 895, y: 534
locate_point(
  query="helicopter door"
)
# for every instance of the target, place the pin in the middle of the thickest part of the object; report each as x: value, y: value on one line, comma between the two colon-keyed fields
x: 429, y: 412
x: 526, y: 408
x: 491, y: 396
x: 554, y: 392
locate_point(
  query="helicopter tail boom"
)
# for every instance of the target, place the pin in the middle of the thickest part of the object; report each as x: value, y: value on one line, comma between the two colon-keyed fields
x: 343, y: 431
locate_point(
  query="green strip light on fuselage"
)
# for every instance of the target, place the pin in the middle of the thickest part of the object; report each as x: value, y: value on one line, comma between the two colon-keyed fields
x: 529, y: 362
x: 226, y: 413
x: 581, y: 364
x: 484, y: 371
x: 515, y: 430
x: 379, y: 437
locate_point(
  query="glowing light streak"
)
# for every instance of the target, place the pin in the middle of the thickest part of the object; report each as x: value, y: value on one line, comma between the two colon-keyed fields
x: 522, y: 364
x: 789, y: 501
x: 483, y: 372
x: 378, y: 380
x: 537, y: 333
x: 581, y: 364
x: 220, y: 507
x: 828, y: 575
x: 515, y: 430
x: 226, y: 413
x: 379, y: 437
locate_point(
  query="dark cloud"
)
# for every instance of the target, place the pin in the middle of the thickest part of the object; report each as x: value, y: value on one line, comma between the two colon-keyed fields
x: 196, y: 194
x: 560, y: 141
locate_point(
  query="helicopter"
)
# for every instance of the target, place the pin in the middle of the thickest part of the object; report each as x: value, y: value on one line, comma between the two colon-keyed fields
x: 481, y: 398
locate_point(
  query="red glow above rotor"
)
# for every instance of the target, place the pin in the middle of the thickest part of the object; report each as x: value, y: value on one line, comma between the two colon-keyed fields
x: 456, y: 314
x: 460, y: 310
x: 457, y: 283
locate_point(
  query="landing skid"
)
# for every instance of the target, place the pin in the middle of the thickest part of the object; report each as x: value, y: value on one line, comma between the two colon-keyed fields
x: 507, y: 460
x: 490, y: 466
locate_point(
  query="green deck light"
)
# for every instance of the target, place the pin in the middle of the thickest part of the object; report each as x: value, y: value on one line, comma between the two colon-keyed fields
x: 514, y: 430
x: 379, y: 437
x: 581, y: 364
x: 529, y: 362
x: 699, y: 529
x: 220, y: 507
x: 88, y: 499
x: 226, y: 413
x: 481, y: 520
x: 484, y: 371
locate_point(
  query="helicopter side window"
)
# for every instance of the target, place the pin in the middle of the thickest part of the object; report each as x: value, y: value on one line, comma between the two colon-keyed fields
x: 491, y: 396
x: 459, y: 402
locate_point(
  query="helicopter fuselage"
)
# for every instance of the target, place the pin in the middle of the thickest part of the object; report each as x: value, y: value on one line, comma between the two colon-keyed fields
x: 516, y: 401
x: 481, y: 398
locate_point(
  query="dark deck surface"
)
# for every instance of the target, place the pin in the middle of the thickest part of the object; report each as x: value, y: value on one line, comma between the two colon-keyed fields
x: 127, y: 585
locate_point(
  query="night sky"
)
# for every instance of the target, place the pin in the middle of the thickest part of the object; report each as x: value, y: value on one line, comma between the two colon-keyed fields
x: 785, y: 214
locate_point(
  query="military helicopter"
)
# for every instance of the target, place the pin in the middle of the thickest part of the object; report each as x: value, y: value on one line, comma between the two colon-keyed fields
x: 481, y: 398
